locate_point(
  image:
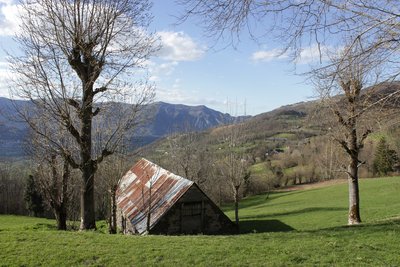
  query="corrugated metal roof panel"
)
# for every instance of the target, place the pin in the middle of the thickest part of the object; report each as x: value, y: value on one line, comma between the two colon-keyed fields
x: 133, y: 194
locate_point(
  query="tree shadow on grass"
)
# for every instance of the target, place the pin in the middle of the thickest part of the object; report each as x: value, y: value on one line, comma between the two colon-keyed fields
x: 262, y: 199
x: 41, y: 226
x: 295, y: 212
x: 263, y: 226
x: 377, y: 226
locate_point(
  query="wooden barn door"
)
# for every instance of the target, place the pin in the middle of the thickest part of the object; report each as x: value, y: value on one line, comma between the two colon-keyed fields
x: 192, y: 217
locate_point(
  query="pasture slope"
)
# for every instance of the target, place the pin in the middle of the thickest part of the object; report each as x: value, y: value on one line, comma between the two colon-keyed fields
x: 304, y: 227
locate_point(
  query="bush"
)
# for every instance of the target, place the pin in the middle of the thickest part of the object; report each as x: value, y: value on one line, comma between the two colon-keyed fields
x: 385, y: 158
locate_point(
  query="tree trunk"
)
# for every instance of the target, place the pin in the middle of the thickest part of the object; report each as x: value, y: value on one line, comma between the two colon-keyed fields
x: 62, y: 223
x: 59, y: 195
x: 61, y: 217
x: 220, y: 196
x: 113, y: 216
x: 286, y: 181
x: 354, y: 197
x: 88, y: 219
x: 236, y: 189
x: 149, y: 210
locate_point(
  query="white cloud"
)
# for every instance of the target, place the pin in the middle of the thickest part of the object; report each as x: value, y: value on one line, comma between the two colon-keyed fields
x: 6, y: 2
x: 159, y: 70
x: 307, y: 55
x: 175, y: 48
x: 164, y: 68
x: 313, y: 54
x: 9, y: 18
x: 177, y: 84
x: 4, y: 79
x: 178, y: 46
x: 176, y: 95
x: 268, y: 55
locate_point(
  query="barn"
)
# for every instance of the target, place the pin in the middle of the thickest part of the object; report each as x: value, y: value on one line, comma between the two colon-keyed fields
x: 151, y: 200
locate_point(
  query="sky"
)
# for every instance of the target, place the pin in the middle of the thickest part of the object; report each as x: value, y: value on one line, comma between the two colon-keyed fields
x: 191, y: 69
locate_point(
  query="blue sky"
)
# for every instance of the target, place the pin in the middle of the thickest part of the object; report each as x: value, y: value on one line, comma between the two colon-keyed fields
x: 192, y: 69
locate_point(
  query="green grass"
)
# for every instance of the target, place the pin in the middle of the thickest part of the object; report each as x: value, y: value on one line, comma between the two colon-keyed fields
x: 291, y: 170
x: 259, y: 169
x: 289, y: 228
x: 376, y: 136
x: 323, y: 207
x: 285, y: 135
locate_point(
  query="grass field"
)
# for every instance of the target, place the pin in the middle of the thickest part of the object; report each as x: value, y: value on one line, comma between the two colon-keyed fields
x: 289, y: 228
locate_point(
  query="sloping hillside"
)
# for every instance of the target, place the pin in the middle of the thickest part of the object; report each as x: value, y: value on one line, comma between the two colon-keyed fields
x: 281, y: 127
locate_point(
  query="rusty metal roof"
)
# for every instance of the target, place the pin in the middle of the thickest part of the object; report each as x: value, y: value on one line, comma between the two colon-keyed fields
x: 135, y: 187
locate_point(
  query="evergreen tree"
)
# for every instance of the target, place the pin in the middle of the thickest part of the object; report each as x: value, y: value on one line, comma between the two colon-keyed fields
x: 385, y: 158
x: 33, y: 198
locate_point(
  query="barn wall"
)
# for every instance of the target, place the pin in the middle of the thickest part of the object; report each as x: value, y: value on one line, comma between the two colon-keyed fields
x: 194, y: 213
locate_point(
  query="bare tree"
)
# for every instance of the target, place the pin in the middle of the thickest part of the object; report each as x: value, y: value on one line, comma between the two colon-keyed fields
x: 318, y: 27
x: 52, y: 171
x: 53, y: 177
x: 12, y: 187
x: 341, y: 88
x: 187, y: 157
x: 234, y: 165
x: 147, y: 196
x: 297, y: 24
x: 78, y: 59
x: 110, y: 172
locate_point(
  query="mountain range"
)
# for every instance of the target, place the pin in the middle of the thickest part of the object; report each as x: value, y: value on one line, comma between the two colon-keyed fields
x: 166, y: 119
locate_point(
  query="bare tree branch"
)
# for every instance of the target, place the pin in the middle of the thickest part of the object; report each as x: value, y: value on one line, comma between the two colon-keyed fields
x: 78, y: 61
